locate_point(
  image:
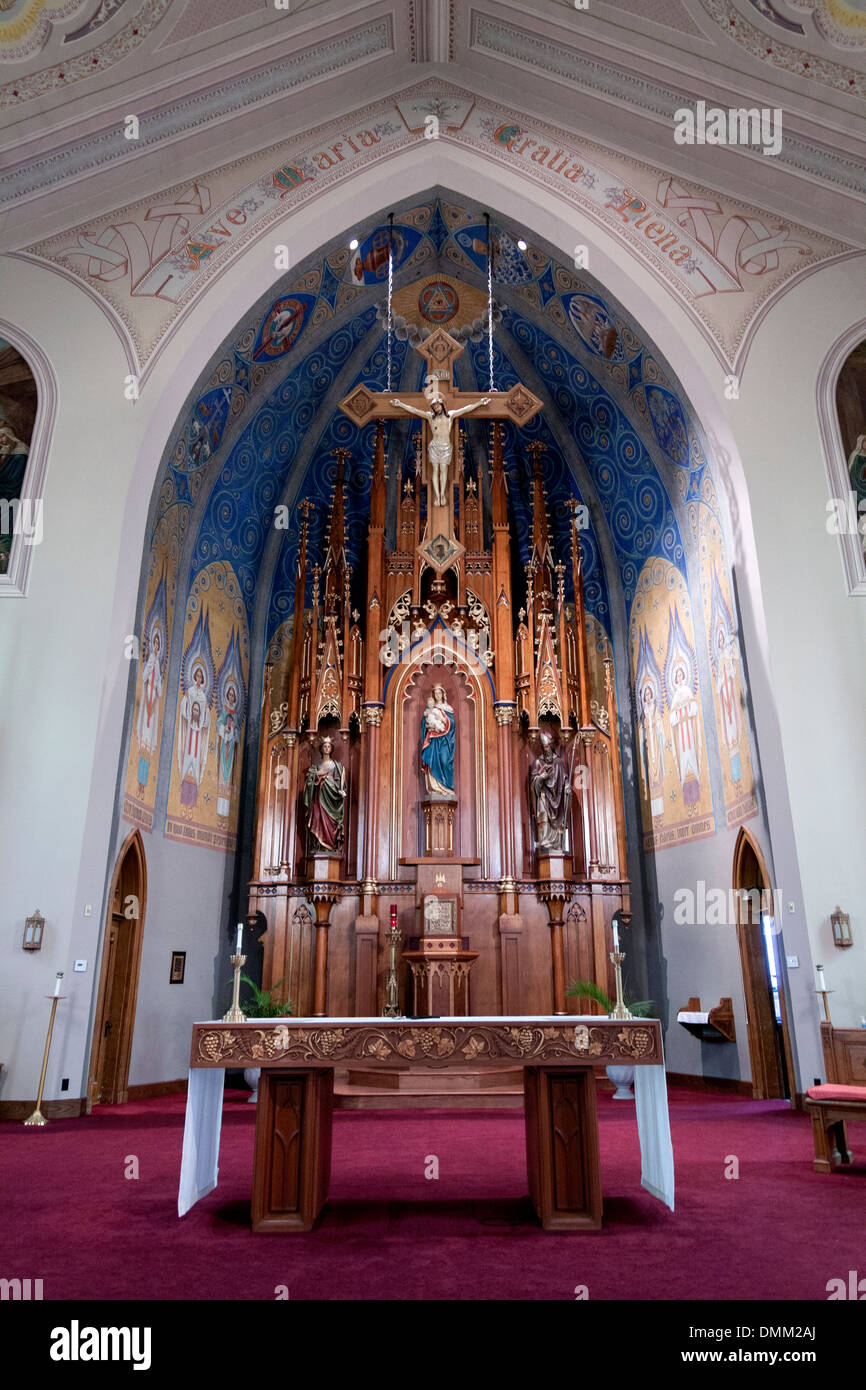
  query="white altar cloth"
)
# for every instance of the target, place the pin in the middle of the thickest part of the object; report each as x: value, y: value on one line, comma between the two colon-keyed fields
x: 199, y: 1167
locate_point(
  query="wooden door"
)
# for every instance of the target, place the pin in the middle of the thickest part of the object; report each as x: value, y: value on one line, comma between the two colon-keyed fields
x: 118, y: 987
x: 769, y: 1041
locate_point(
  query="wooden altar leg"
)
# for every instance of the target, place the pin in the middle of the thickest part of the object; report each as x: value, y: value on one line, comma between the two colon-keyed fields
x: 562, y: 1157
x: 292, y: 1163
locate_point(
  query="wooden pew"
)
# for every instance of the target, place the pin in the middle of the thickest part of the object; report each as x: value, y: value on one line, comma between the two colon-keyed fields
x: 842, y: 1098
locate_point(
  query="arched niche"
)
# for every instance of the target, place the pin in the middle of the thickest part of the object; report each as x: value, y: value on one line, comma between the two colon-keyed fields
x: 27, y: 405
x: 439, y: 660
x: 842, y: 416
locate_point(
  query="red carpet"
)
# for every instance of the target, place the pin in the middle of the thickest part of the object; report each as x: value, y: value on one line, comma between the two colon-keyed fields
x: 779, y: 1231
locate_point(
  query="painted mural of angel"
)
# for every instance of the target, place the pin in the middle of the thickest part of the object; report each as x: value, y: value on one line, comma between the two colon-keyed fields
x: 152, y: 678
x: 193, y: 735
x: 231, y: 695
x: 684, y: 712
x: 651, y: 731
x: 193, y: 739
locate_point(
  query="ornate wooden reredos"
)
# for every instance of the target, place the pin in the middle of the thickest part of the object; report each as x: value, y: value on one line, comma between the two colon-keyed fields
x: 445, y: 623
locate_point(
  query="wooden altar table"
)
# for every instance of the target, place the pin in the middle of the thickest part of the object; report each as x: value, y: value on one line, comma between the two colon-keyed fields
x: 297, y: 1057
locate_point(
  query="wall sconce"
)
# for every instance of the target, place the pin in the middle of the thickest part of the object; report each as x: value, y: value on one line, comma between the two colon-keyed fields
x: 841, y: 924
x: 33, y: 929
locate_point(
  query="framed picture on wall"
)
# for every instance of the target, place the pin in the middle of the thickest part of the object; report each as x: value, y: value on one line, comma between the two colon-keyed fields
x: 178, y: 965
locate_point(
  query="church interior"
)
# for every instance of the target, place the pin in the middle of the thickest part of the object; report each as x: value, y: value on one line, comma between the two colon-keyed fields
x: 433, y: 525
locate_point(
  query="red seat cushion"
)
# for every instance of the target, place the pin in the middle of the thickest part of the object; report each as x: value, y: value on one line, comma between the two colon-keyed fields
x: 837, y: 1093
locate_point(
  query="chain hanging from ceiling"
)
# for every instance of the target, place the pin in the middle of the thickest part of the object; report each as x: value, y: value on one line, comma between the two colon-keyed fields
x: 390, y: 291
x: 489, y: 300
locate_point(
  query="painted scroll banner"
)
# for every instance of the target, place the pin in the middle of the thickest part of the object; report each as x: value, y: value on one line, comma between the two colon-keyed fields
x: 722, y: 257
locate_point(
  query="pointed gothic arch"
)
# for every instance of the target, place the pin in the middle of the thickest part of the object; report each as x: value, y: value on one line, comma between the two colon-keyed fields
x: 114, y: 1020
x: 770, y: 1051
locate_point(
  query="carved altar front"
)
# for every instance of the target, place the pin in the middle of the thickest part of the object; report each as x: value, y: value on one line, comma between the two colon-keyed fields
x: 382, y: 1042
x: 297, y: 1058
x: 449, y: 640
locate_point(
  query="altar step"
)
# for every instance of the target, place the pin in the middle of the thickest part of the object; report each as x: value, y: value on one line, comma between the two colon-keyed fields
x: 458, y: 1088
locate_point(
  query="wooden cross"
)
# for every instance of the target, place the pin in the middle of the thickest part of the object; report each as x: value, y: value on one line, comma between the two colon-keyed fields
x: 440, y: 352
x: 440, y: 546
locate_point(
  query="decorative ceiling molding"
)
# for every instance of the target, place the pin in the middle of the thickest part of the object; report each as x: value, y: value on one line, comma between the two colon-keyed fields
x: 524, y: 49
x: 26, y: 26
x: 769, y: 11
x: 799, y: 61
x: 723, y: 259
x: 431, y: 31
x: 838, y: 21
x: 215, y: 102
x: 200, y: 17
x: 64, y: 74
x: 672, y: 14
x: 105, y: 11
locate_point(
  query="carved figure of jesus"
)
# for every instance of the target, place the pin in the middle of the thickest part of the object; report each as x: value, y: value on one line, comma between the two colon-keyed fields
x: 441, y: 448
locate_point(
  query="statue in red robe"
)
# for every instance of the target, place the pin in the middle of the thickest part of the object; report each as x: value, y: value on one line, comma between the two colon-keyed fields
x: 325, y: 791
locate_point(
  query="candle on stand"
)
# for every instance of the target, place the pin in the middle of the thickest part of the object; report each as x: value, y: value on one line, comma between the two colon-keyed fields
x: 819, y: 971
x: 240, y: 938
x: 615, y: 937
x: 57, y: 984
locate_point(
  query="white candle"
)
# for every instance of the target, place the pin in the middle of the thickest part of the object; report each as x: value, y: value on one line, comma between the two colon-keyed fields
x: 819, y: 971
x: 240, y: 936
x: 615, y: 938
x: 57, y: 984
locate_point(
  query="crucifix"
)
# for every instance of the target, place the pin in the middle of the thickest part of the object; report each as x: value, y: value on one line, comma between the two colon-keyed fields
x: 438, y: 405
x: 440, y: 449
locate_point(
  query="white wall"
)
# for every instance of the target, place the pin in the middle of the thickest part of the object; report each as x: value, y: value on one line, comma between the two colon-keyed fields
x: 61, y: 648
x: 60, y: 655
x: 816, y: 635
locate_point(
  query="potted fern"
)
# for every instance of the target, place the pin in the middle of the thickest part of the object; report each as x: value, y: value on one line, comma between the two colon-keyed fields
x: 622, y: 1077
x: 263, y: 1004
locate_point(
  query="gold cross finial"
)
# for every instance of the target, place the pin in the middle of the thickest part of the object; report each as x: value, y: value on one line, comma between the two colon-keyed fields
x: 341, y: 454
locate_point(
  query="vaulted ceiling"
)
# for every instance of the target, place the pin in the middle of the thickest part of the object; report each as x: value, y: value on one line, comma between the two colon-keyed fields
x: 261, y: 424
x: 214, y: 80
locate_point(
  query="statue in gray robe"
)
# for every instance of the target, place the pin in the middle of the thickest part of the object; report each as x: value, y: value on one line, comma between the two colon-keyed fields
x: 550, y: 796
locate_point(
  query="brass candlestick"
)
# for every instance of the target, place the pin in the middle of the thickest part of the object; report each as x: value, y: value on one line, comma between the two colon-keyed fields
x: 392, y: 989
x: 823, y: 993
x: 620, y: 1010
x: 235, y: 1013
x: 37, y: 1118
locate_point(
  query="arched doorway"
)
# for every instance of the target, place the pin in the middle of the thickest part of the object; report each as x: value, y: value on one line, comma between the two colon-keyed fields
x: 108, y: 1083
x: 762, y: 959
